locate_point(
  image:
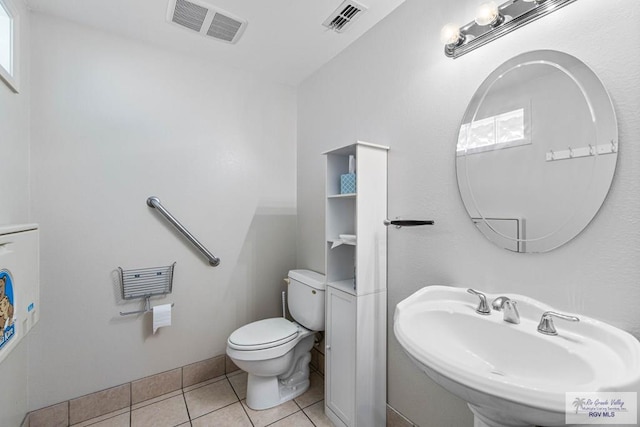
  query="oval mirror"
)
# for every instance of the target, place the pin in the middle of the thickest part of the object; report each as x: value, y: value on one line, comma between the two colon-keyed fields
x: 536, y: 151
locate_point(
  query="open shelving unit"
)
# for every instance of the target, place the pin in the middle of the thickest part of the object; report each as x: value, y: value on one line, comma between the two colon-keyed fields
x: 355, y: 337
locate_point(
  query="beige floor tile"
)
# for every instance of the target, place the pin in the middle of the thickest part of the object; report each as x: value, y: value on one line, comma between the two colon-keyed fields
x: 229, y: 416
x: 209, y: 398
x: 316, y: 413
x: 203, y: 370
x: 314, y: 394
x: 156, y: 399
x: 166, y: 413
x: 234, y: 373
x: 106, y: 420
x: 269, y: 416
x: 299, y: 419
x: 239, y: 384
x: 122, y: 420
x: 100, y: 403
x: 156, y: 385
x: 51, y: 416
x: 204, y: 383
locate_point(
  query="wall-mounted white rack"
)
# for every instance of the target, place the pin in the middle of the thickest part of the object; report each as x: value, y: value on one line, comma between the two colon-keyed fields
x: 145, y: 283
x: 589, y: 150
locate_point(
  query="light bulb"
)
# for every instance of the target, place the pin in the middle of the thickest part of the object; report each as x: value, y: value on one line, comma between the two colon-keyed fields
x: 450, y: 34
x: 488, y: 14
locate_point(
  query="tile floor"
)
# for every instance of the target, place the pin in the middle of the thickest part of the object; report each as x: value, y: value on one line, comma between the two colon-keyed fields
x: 219, y: 402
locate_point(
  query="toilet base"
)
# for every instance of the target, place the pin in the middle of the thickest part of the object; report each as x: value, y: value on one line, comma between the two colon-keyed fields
x: 267, y: 392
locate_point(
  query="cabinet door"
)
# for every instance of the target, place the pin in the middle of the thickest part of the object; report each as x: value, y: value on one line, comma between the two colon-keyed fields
x: 340, y: 354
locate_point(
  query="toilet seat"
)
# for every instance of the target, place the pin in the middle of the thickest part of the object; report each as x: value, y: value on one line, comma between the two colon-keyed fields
x: 278, y: 336
x: 263, y: 334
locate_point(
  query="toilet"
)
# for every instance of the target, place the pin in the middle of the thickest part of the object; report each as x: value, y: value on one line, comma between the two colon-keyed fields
x: 276, y: 352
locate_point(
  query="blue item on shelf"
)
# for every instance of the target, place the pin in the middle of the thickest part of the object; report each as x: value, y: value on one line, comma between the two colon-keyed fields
x: 348, y: 183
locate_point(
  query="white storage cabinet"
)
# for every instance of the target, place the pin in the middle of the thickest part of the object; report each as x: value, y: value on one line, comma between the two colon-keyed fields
x: 355, y: 337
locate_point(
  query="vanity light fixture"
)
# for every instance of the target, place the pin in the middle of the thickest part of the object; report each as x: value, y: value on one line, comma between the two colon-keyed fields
x: 451, y: 35
x: 493, y: 21
x: 489, y: 14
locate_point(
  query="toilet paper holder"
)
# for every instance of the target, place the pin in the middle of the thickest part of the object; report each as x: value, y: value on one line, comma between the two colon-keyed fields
x: 145, y: 283
x: 147, y: 308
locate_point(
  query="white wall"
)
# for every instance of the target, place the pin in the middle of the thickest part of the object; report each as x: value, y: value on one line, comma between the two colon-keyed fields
x: 116, y: 121
x: 14, y: 135
x: 395, y: 87
x: 14, y: 209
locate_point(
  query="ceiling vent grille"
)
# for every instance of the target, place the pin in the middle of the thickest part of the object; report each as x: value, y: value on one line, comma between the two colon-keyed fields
x: 189, y: 15
x: 224, y: 28
x: 345, y: 15
x: 206, y: 20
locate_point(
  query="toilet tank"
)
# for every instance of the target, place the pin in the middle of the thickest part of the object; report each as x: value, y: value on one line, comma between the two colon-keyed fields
x: 306, y: 298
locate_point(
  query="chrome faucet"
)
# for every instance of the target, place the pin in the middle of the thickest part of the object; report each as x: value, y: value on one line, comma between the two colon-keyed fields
x: 498, y: 302
x: 508, y: 306
x: 546, y: 322
x: 483, y: 307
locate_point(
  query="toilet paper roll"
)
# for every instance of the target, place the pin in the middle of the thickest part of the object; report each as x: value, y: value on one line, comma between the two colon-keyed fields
x: 161, y: 316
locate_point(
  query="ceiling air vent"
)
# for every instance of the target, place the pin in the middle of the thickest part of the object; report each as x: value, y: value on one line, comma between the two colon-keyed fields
x: 342, y: 18
x: 206, y: 20
x: 224, y: 28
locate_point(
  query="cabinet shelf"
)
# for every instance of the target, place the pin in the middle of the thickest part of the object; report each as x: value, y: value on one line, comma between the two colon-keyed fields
x: 344, y: 286
x: 341, y: 241
x: 342, y: 196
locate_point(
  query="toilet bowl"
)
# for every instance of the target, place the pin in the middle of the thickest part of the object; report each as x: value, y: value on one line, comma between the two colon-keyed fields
x: 276, y: 352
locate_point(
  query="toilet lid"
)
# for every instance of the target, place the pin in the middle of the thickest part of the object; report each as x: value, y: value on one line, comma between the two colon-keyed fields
x: 263, y: 334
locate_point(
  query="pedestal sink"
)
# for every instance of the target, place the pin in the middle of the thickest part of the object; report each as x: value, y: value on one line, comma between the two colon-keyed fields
x: 510, y: 374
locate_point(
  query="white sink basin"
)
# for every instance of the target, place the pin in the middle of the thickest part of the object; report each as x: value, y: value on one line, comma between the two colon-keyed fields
x: 510, y: 374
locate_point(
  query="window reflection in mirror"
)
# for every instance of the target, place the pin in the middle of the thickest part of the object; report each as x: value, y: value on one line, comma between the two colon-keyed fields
x: 493, y: 133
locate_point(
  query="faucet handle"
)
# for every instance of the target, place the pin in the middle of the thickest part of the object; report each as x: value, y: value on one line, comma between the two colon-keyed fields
x: 546, y: 325
x: 483, y: 307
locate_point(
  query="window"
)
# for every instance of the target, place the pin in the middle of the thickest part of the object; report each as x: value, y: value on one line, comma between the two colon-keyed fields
x: 494, y: 133
x: 8, y: 45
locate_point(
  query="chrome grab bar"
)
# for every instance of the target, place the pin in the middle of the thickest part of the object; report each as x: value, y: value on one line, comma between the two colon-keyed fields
x: 154, y: 202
